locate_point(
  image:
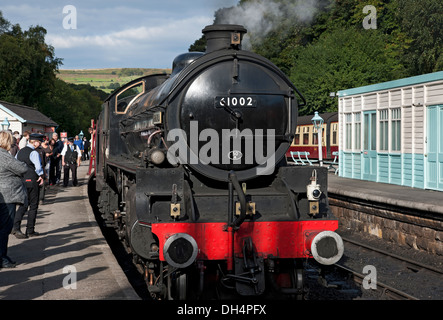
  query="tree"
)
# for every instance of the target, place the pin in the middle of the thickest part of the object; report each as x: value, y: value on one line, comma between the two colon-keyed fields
x: 423, y: 24
x: 27, y: 64
x: 199, y: 45
x: 341, y: 59
x: 28, y: 76
x: 73, y: 106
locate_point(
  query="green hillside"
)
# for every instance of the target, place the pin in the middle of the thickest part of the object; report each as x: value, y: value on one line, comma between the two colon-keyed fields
x: 106, y: 79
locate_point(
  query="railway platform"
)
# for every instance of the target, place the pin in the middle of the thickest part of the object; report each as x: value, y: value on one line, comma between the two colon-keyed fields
x: 390, y: 194
x: 70, y: 260
x: 403, y: 215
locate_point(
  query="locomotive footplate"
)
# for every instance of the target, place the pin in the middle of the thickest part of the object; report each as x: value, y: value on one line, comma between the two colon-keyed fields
x: 249, y: 274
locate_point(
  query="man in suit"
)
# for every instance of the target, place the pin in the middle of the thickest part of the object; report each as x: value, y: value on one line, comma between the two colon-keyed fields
x: 85, y: 149
x: 33, y: 178
x: 71, y: 156
x: 55, y: 170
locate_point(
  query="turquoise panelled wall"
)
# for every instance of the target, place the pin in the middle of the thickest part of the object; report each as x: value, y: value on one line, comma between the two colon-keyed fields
x: 407, y: 167
x: 356, y: 165
x: 383, y: 168
x: 347, y: 164
x: 401, y: 169
x: 419, y: 171
x: 345, y: 167
x: 395, y: 173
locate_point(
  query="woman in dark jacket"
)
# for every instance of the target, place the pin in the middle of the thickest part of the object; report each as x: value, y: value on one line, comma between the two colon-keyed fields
x: 12, y: 192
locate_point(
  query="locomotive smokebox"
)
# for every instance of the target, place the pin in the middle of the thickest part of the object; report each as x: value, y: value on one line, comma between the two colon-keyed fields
x: 223, y: 36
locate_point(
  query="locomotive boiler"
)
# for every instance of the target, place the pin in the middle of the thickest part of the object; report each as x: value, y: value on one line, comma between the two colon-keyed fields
x: 191, y: 171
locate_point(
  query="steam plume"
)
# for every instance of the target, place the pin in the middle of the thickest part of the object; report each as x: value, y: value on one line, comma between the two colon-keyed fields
x: 261, y: 16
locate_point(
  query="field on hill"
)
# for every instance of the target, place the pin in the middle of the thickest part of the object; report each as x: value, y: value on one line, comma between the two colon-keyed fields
x: 106, y: 79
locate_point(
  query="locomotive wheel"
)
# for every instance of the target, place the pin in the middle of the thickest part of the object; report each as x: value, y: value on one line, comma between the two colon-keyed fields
x: 298, y: 279
x: 181, y: 286
x: 290, y: 281
x: 298, y: 283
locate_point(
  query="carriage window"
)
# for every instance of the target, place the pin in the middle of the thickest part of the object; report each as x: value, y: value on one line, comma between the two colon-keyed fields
x: 297, y: 139
x: 323, y: 135
x: 334, y: 134
x: 125, y: 98
x: 306, y: 135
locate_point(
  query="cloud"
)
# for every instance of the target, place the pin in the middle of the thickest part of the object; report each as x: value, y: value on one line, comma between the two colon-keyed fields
x: 117, y: 33
x: 182, y: 31
x: 143, y: 46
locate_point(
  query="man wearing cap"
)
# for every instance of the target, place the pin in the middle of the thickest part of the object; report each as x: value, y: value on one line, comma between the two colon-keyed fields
x: 33, y: 178
x: 71, y: 156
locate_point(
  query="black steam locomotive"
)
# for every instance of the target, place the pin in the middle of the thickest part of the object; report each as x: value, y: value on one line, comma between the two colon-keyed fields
x: 191, y: 171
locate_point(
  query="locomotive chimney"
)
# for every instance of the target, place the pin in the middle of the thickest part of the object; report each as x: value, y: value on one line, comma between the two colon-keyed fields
x: 223, y: 36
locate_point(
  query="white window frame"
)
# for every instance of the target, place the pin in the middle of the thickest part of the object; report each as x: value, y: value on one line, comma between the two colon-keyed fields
x: 357, y: 131
x: 383, y: 130
x: 348, y: 131
x: 396, y: 134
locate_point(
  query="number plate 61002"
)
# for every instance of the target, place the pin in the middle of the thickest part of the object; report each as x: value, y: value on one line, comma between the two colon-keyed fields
x: 235, y: 101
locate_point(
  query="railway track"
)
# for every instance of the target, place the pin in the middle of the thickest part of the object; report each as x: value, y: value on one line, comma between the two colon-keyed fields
x: 412, y: 264
x: 384, y: 290
x: 397, y: 277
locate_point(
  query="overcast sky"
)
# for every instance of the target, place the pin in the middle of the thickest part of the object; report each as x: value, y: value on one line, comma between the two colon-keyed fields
x: 115, y: 33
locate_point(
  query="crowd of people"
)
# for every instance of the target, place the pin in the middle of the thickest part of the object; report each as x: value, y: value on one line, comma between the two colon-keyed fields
x: 28, y: 165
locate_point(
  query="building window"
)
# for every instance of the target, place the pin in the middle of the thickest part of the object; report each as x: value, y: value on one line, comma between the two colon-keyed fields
x: 370, y: 133
x: 384, y: 125
x: 396, y: 129
x: 348, y: 129
x: 357, y: 131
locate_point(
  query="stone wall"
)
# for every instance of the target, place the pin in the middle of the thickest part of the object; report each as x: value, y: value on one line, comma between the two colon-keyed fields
x: 390, y: 223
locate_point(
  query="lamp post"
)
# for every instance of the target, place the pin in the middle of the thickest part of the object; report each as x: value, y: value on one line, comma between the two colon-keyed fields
x: 5, y: 124
x: 81, y: 135
x: 317, y: 121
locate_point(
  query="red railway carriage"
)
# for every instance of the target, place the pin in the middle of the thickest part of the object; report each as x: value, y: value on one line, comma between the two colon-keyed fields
x: 306, y: 136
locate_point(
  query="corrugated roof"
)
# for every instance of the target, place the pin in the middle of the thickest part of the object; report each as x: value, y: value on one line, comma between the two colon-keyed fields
x: 28, y: 114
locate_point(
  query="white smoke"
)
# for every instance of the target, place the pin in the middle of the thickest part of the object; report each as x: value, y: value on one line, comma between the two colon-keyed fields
x: 259, y: 17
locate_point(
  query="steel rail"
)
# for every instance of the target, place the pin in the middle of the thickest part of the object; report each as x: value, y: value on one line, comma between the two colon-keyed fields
x: 385, y: 289
x: 403, y: 259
